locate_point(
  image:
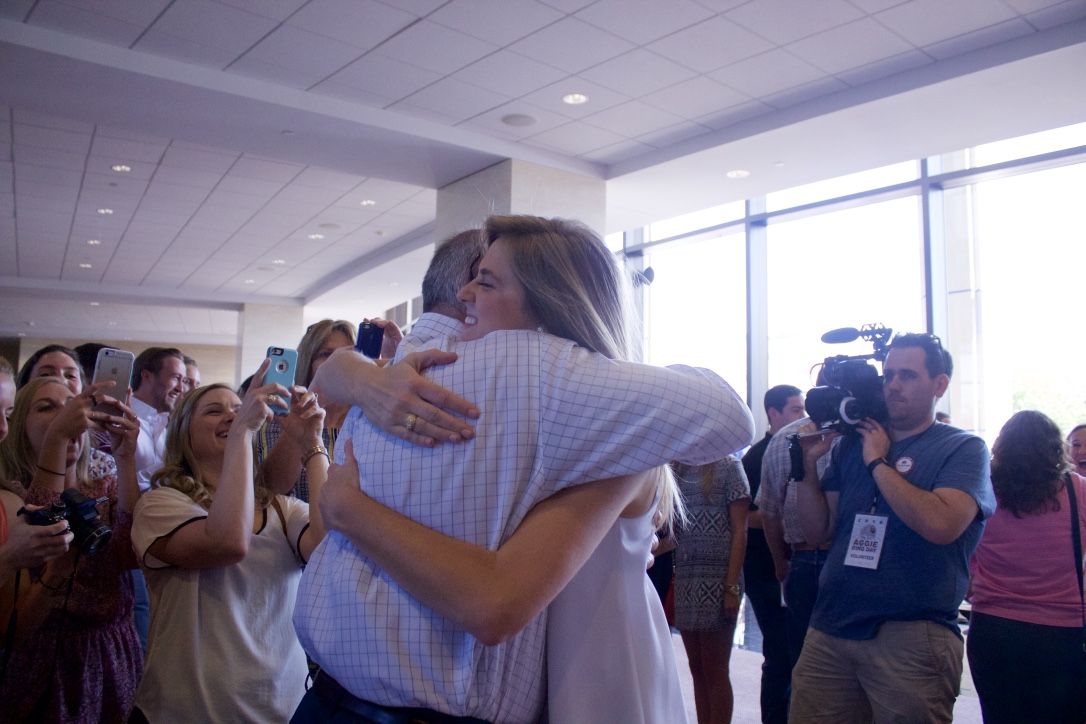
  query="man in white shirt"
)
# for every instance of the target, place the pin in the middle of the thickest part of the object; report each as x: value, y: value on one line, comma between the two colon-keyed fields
x: 157, y: 384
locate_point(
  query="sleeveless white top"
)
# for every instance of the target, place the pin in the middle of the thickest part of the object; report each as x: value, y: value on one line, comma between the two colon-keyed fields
x: 609, y: 650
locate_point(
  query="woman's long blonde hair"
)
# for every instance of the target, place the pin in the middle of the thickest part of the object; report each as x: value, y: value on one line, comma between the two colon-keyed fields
x: 18, y: 461
x: 575, y: 288
x: 180, y: 468
x: 315, y: 336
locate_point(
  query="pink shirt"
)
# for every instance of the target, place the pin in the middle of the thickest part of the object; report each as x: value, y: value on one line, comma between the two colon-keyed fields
x: 1024, y: 569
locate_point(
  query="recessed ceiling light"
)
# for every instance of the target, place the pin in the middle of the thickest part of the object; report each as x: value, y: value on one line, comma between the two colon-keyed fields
x: 22, y: 334
x: 94, y: 242
x: 394, y: 284
x: 84, y: 265
x: 112, y: 324
x: 315, y: 237
x: 96, y: 304
x: 105, y: 212
x: 574, y: 99
x: 737, y: 173
x: 30, y: 323
x: 279, y: 262
x: 328, y: 225
x: 286, y: 132
x: 518, y: 120
x: 250, y: 281
x: 367, y: 202
x: 379, y: 232
x: 779, y: 164
x: 121, y: 168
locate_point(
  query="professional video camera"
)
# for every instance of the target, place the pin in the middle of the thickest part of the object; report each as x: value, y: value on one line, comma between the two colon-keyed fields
x: 853, y: 386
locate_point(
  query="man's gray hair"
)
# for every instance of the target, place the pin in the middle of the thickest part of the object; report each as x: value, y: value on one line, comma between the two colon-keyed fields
x: 451, y: 268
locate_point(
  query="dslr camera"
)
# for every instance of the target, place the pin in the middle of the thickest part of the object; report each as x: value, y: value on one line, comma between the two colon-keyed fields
x: 81, y: 512
x: 853, y: 386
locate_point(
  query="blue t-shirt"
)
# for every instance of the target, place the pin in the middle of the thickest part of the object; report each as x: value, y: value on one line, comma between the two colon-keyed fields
x: 915, y: 580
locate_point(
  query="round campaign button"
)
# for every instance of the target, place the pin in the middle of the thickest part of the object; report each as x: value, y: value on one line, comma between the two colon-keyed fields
x: 904, y: 464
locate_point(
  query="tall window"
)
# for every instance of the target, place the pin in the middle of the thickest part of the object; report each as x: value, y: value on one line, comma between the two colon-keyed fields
x: 696, y: 306
x: 845, y: 268
x: 1028, y: 232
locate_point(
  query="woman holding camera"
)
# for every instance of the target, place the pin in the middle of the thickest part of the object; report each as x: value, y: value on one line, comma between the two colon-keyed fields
x: 75, y: 655
x: 223, y: 555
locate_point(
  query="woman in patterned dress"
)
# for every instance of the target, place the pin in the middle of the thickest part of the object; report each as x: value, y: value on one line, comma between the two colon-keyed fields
x: 76, y: 656
x: 708, y: 568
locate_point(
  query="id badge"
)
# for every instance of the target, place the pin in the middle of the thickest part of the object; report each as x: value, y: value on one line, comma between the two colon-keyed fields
x: 865, y: 546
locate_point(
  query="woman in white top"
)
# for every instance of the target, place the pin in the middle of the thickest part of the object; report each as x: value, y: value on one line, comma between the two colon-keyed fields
x: 609, y: 651
x: 222, y: 558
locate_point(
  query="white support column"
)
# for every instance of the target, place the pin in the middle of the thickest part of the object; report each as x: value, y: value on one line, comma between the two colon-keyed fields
x: 261, y: 326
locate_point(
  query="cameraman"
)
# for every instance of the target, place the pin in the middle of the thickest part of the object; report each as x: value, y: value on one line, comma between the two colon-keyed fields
x: 903, y: 509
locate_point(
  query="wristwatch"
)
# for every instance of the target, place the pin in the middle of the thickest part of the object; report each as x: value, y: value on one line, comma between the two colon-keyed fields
x: 733, y: 589
x: 875, y: 463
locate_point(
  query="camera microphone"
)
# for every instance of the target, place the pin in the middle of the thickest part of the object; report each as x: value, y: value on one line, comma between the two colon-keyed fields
x: 842, y: 335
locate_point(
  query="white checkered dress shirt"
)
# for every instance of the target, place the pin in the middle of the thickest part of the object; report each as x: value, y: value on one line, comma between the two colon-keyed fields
x: 553, y: 415
x: 777, y: 495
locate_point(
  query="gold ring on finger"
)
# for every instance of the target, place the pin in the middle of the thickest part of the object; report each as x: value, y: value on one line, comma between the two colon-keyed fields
x: 412, y: 420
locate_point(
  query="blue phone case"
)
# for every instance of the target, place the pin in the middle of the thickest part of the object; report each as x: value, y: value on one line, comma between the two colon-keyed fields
x: 281, y: 370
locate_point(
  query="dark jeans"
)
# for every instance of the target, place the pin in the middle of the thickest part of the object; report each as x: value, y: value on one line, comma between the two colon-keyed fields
x: 800, y: 592
x: 141, y: 611
x: 1027, y: 672
x: 764, y: 592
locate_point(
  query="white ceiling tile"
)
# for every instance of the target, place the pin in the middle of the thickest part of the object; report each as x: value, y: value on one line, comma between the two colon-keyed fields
x: 327, y: 179
x: 274, y: 9
x: 307, y: 57
x: 58, y: 177
x: 104, y: 166
x: 418, y: 8
x: 767, y: 73
x: 334, y: 89
x: 33, y: 118
x: 710, y: 45
x: 735, y: 114
x: 1064, y: 12
x: 254, y: 168
x: 638, y: 73
x: 923, y: 22
x: 92, y: 22
x: 454, y: 99
x: 204, y: 180
x: 1029, y: 6
x: 123, y: 150
x: 991, y: 35
x: 633, y: 119
x: 849, y: 46
x: 874, y: 6
x: 213, y: 24
x: 509, y: 73
x: 167, y: 191
x: 575, y: 138
x: 361, y: 23
x: 783, y: 21
x: 568, y: 6
x: 382, y: 76
x: 496, y: 21
x: 129, y: 135
x: 93, y: 182
x: 674, y: 134
x: 571, y: 45
x: 643, y: 21
x: 189, y: 51
x: 50, y: 138
x: 491, y: 121
x: 805, y: 92
x: 695, y: 98
x: 884, y: 68
x: 278, y: 74
x: 56, y: 158
x: 435, y: 47
x: 599, y: 98
x: 197, y: 159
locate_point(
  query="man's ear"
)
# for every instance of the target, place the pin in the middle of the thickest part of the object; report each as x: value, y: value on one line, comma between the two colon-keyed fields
x: 942, y: 382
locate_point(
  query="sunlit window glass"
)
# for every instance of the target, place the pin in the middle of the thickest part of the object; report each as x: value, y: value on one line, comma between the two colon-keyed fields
x: 696, y: 306
x: 696, y: 220
x: 614, y: 241
x: 1031, y: 257
x: 841, y: 269
x: 843, y: 185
